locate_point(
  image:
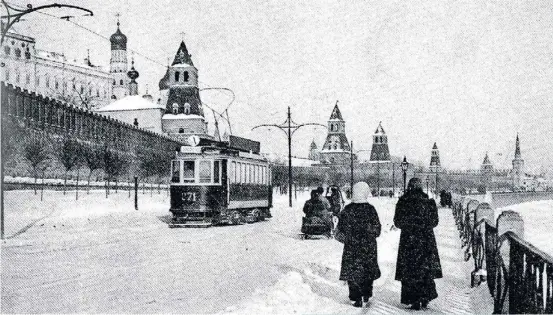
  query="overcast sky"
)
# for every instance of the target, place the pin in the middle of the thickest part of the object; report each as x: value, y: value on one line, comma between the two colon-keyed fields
x: 468, y: 75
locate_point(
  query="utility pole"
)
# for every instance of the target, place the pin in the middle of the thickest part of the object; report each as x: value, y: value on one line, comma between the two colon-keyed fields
x: 6, y: 22
x: 289, y: 127
x: 393, y: 179
x: 351, y: 178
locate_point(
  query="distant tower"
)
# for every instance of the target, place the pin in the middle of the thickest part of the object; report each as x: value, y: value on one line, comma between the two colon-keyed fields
x: 184, y: 114
x: 133, y: 75
x: 435, y: 165
x: 336, y: 149
x: 118, y: 64
x: 518, y: 166
x: 313, y: 151
x: 380, y: 151
x: 487, y: 167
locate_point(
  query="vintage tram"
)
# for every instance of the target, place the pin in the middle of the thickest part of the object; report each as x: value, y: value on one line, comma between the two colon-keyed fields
x: 218, y: 182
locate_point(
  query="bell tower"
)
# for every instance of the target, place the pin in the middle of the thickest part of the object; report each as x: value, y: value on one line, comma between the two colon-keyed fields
x: 336, y: 149
x: 118, y: 64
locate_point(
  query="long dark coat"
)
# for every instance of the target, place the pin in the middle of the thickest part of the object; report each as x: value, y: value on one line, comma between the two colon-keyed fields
x: 360, y: 225
x: 417, y: 259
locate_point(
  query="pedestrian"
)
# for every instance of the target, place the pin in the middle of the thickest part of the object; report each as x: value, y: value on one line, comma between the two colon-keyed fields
x: 336, y: 201
x: 316, y: 214
x: 418, y: 261
x: 325, y: 201
x: 358, y: 228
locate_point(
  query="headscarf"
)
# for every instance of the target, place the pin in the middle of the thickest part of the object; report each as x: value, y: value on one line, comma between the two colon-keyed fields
x: 414, y: 185
x: 360, y: 193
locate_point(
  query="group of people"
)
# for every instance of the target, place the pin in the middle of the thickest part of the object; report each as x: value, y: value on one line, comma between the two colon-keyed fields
x: 418, y: 261
x: 324, y: 209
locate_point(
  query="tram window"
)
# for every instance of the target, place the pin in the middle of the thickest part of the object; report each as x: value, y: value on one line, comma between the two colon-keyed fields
x: 175, y: 172
x: 216, y: 167
x: 234, y: 177
x: 205, y: 172
x: 250, y: 173
x: 188, y: 174
x: 259, y: 174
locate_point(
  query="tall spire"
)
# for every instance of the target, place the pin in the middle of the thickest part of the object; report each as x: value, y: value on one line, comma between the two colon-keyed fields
x: 336, y: 112
x: 518, y: 155
x: 182, y: 56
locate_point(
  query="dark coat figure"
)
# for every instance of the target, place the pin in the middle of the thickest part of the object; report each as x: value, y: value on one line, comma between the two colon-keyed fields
x: 418, y: 262
x: 335, y: 201
x: 360, y: 226
x: 316, y: 213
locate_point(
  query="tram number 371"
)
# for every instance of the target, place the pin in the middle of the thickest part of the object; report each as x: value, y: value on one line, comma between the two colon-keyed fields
x: 189, y: 196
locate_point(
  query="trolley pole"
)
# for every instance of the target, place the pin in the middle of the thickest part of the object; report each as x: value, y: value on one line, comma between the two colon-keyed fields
x: 351, y: 167
x: 289, y: 127
x: 136, y: 193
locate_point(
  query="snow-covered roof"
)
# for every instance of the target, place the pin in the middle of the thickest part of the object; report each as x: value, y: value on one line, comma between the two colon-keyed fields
x: 181, y: 65
x: 134, y: 102
x: 181, y: 116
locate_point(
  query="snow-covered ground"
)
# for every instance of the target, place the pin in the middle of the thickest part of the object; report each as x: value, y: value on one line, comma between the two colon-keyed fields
x: 538, y: 220
x: 99, y: 254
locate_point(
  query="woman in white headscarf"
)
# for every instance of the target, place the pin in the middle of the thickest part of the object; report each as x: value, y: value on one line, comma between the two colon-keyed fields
x: 359, y: 226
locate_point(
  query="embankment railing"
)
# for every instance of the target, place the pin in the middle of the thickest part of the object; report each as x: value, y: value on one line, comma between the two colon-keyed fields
x: 519, y: 276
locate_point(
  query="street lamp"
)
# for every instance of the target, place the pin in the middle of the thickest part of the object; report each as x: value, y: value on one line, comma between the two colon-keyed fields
x: 404, y: 167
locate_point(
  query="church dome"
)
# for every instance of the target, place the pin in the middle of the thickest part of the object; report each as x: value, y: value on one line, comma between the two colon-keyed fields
x: 118, y: 40
x: 133, y: 74
x: 164, y: 82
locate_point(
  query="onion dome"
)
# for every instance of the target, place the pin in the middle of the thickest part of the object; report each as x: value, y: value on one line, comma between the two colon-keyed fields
x: 164, y: 82
x: 147, y: 96
x: 118, y: 40
x: 133, y: 74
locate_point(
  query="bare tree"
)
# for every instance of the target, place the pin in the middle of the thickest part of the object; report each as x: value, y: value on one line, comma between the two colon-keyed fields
x: 93, y: 158
x: 114, y: 165
x: 68, y: 153
x: 36, y: 153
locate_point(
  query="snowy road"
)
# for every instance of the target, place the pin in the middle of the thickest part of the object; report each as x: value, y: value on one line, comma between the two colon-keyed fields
x: 100, y: 255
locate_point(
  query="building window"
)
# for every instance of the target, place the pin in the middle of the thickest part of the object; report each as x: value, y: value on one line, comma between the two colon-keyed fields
x: 97, y: 92
x: 177, y: 75
x: 113, y: 81
x: 7, y: 50
x: 82, y: 89
x: 17, y: 76
x: 121, y: 82
x: 47, y: 81
x: 7, y: 74
x: 37, y: 81
x: 113, y: 97
x: 27, y: 79
x: 18, y: 52
x: 181, y: 130
x: 185, y: 76
x: 27, y: 54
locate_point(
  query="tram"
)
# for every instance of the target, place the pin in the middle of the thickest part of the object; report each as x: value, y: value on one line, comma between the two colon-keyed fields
x: 219, y: 182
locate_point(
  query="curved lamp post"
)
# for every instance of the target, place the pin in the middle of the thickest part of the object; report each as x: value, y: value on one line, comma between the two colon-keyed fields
x: 289, y: 127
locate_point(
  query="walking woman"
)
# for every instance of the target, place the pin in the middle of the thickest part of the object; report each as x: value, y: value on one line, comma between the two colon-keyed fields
x: 418, y: 262
x: 359, y: 227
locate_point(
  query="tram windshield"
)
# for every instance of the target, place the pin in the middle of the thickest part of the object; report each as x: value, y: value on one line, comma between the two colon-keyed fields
x: 201, y: 171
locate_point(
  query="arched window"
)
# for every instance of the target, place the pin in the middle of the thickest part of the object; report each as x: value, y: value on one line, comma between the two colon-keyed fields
x: 27, y: 79
x: 37, y: 81
x: 113, y: 97
x: 18, y: 52
x: 181, y: 130
x: 7, y: 74
x: 186, y: 109
x: 121, y: 82
x: 114, y: 82
x: 17, y: 76
x: 185, y: 76
x: 177, y: 75
x: 57, y: 85
x: 47, y: 79
x: 7, y: 50
x: 331, y: 127
x: 175, y: 108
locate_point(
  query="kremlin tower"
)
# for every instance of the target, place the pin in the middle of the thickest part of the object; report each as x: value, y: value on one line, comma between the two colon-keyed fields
x: 518, y: 166
x: 336, y: 149
x: 184, y: 116
x: 380, y: 151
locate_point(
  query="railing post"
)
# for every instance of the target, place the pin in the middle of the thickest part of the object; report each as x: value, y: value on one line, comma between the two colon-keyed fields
x: 508, y: 221
x: 483, y: 213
